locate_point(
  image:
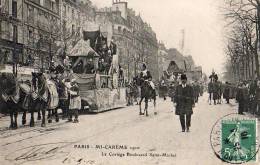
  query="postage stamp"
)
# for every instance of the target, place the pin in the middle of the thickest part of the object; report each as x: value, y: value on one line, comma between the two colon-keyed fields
x: 234, y: 139
x: 238, y: 139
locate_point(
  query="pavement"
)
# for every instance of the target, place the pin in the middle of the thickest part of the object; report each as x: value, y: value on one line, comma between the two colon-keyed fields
x: 117, y: 137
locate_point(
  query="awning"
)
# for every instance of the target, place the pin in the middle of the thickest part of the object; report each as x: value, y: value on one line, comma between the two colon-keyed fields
x: 82, y: 49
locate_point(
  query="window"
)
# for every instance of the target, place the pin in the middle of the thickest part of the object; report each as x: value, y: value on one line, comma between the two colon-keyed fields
x: 52, y: 6
x: 119, y: 28
x: 72, y: 14
x: 64, y: 10
x: 14, y: 9
x: 15, y: 34
x: 30, y: 37
x: 6, y: 30
x: 41, y: 2
x: 73, y: 29
x: 6, y: 6
x: 30, y: 14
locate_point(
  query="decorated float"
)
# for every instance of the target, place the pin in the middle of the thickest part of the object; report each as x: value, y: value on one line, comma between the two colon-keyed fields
x: 99, y: 91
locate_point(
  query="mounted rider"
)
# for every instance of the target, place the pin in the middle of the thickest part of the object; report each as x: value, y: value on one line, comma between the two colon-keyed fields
x: 145, y: 75
x: 213, y: 77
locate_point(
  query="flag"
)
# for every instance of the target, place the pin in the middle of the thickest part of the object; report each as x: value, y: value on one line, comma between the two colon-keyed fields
x: 92, y: 36
x: 185, y: 65
x: 113, y: 48
x: 101, y: 43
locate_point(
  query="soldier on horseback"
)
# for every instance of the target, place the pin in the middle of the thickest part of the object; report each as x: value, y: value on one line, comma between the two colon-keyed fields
x: 145, y: 75
x: 147, y: 89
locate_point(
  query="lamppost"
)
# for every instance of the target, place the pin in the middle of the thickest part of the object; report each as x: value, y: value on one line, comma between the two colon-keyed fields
x: 14, y: 60
x: 38, y: 47
x: 50, y: 40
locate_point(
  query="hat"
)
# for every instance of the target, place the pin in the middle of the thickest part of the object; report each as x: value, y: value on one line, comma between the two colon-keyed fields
x: 144, y: 64
x: 73, y: 80
x: 183, y: 77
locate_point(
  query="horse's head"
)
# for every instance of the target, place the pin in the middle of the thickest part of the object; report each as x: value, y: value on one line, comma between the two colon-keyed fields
x: 8, y: 83
x: 137, y: 80
x: 38, y: 81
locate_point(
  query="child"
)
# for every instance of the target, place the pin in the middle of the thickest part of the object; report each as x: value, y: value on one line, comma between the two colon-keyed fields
x: 75, y: 101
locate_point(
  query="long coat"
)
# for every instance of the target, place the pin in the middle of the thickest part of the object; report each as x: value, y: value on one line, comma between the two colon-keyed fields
x: 184, y: 100
x: 75, y: 100
x: 242, y: 95
x: 226, y: 94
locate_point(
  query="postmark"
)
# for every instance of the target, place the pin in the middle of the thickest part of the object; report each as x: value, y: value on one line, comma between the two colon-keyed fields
x: 234, y: 139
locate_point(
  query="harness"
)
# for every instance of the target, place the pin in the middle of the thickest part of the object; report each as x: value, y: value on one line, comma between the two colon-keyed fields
x: 37, y: 95
x: 13, y: 97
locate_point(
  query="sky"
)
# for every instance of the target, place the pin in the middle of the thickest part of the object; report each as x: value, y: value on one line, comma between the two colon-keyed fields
x: 201, y: 20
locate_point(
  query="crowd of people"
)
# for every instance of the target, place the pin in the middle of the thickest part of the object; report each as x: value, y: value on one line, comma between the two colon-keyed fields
x: 245, y: 93
x: 69, y: 96
x: 248, y: 97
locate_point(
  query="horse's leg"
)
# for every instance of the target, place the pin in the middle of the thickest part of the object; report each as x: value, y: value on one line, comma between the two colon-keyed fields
x: 31, y: 109
x: 137, y: 101
x: 43, y: 117
x: 154, y: 104
x: 56, y: 115
x: 210, y: 98
x: 12, y: 119
x: 39, y: 115
x: 146, y: 106
x: 67, y: 104
x: 140, y: 106
x: 49, y: 117
x: 24, y: 117
x: 63, y: 108
x: 15, y: 119
x: 32, y: 119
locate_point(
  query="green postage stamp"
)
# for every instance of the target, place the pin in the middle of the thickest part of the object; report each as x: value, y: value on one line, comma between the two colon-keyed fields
x: 238, y: 139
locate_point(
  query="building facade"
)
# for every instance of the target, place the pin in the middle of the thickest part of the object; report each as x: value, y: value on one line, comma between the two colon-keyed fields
x: 41, y: 30
x: 35, y: 32
x: 163, y: 63
x: 135, y: 39
x: 11, y: 27
x: 28, y: 31
x: 75, y: 15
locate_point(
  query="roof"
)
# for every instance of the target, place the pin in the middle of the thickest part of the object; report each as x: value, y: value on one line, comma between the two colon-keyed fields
x: 173, y: 67
x: 82, y: 49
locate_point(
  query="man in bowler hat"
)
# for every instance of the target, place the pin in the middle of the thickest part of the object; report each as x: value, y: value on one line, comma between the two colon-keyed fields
x: 184, y: 100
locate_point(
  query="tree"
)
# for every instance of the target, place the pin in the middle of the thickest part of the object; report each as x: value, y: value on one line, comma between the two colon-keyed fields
x: 243, y: 39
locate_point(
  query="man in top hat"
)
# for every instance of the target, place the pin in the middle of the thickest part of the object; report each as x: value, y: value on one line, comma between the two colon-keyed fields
x: 184, y: 103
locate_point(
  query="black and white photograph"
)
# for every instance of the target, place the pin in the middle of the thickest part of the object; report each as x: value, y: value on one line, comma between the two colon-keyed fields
x: 129, y: 82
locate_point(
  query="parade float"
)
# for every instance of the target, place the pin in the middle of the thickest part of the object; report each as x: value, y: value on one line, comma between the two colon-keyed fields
x: 99, y: 92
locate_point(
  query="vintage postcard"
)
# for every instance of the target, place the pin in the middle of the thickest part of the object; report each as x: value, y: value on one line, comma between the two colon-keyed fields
x: 129, y: 82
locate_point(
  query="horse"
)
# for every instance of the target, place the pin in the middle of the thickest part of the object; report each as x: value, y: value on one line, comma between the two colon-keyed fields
x: 219, y: 92
x: 147, y: 92
x: 14, y: 97
x: 136, y: 91
x: 42, y: 98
